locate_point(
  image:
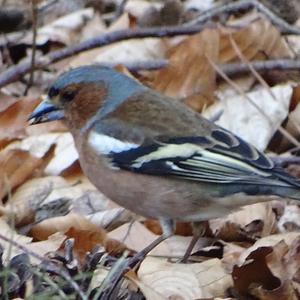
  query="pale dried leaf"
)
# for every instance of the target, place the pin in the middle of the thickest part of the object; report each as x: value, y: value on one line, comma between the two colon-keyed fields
x: 243, y: 118
x: 15, y: 167
x: 65, y: 153
x: 41, y: 248
x: 290, y: 220
x: 65, y: 30
x: 294, y: 41
x: 111, y: 218
x: 270, y: 241
x: 55, y: 195
x: 52, y: 244
x: 193, y: 281
x: 199, y: 5
x: 13, y: 117
x: 174, y: 246
x: 62, y: 224
x: 247, y: 218
x: 138, y: 7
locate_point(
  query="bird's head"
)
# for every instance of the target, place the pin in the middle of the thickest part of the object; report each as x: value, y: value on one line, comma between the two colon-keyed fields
x: 84, y: 94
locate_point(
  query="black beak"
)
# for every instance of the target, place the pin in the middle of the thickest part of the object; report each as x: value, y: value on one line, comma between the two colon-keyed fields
x: 46, y: 111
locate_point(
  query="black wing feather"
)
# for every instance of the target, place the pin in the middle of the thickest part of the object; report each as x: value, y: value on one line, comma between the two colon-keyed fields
x: 221, y: 158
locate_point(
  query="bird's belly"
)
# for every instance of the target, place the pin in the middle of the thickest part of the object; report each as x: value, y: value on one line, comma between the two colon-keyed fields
x: 149, y: 196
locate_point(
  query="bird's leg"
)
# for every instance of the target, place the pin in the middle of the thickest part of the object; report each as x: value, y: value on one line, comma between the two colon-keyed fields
x: 168, y: 228
x: 199, y: 229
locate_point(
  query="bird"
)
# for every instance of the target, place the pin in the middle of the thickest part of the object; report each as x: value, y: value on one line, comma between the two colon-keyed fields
x: 154, y: 155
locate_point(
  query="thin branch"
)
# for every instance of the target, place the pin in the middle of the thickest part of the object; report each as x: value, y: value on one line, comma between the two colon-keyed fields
x: 284, y: 161
x: 231, y: 69
x: 16, y: 72
x: 261, y: 66
x: 245, y: 5
x: 33, y: 50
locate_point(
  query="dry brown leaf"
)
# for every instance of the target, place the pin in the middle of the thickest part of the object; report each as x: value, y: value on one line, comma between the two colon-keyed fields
x: 257, y: 40
x: 65, y: 153
x: 23, y: 204
x: 276, y: 271
x: 137, y: 237
x: 46, y: 197
x: 15, y: 167
x: 247, y: 276
x: 13, y: 118
x: 189, y: 74
x: 6, y: 100
x: 43, y: 230
x: 41, y: 248
x: 294, y: 41
x: 86, y: 240
x: 183, y: 281
x: 86, y: 234
x: 270, y: 241
x: 252, y: 221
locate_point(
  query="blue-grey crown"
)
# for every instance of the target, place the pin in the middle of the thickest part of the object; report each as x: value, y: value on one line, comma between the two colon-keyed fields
x: 118, y: 86
x: 94, y: 73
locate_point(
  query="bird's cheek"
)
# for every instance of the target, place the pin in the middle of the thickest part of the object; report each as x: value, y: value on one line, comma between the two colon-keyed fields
x: 73, y: 117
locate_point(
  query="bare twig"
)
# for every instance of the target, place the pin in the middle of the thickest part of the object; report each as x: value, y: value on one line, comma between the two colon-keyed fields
x: 244, y: 5
x: 261, y: 66
x: 33, y: 49
x: 16, y: 72
x: 284, y: 161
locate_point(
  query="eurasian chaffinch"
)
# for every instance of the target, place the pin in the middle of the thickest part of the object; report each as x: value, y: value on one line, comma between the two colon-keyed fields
x: 155, y: 156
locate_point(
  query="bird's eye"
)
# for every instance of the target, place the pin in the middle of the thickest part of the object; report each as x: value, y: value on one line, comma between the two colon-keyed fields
x: 68, y: 96
x: 53, y: 92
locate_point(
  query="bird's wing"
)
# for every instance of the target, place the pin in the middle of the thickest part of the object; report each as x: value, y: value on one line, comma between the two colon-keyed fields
x: 220, y: 158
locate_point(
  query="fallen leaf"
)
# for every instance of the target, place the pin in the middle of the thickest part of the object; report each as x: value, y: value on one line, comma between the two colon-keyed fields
x: 65, y: 153
x: 40, y: 248
x: 258, y: 38
x: 43, y: 230
x: 175, y: 246
x: 13, y: 118
x: 195, y: 78
x: 256, y: 220
x: 15, y: 167
x: 239, y: 114
x: 183, y: 281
